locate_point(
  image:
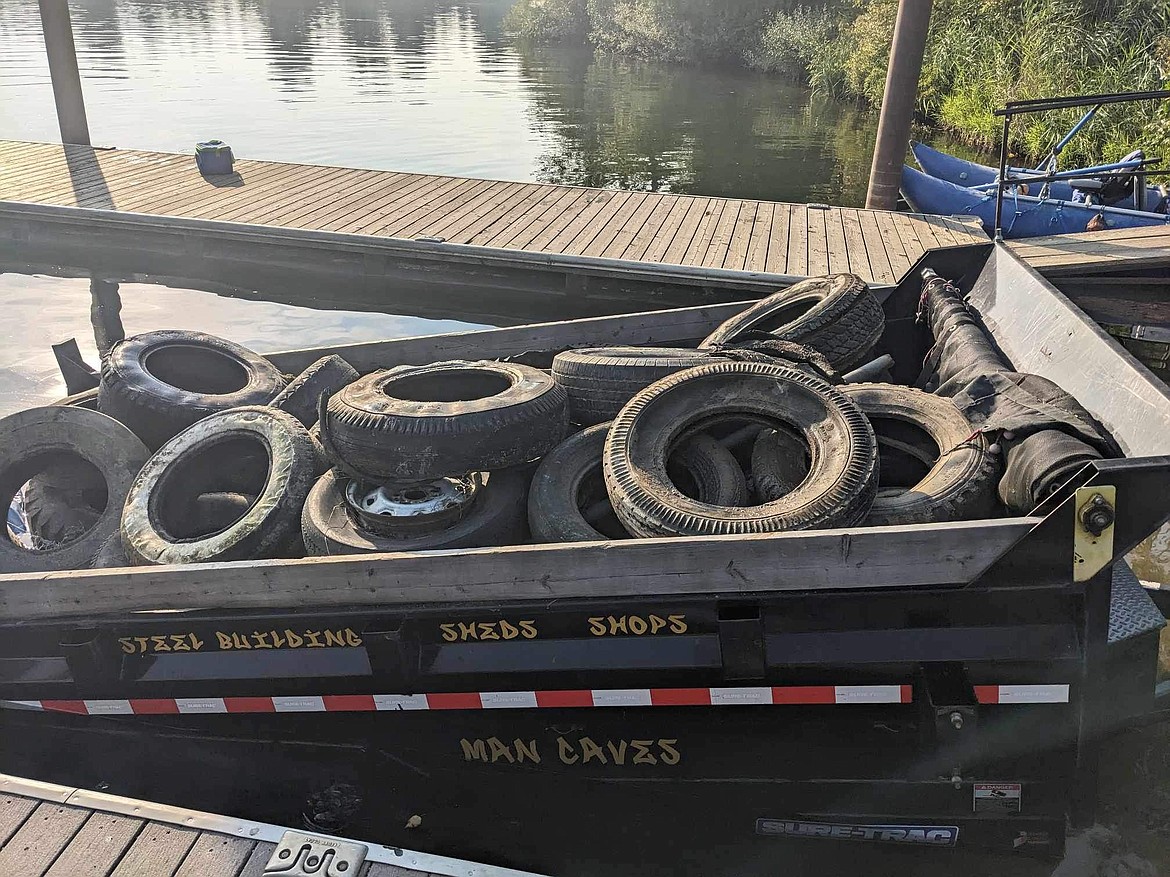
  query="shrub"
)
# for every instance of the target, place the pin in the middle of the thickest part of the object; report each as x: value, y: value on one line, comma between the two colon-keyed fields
x: 548, y: 21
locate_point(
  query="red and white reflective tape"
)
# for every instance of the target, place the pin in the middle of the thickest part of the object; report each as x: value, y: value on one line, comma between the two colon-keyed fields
x: 1010, y: 694
x: 484, y: 700
x: 488, y: 700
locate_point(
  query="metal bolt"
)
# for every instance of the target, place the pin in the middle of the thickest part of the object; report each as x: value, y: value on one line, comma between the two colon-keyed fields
x: 1098, y: 515
x: 284, y: 854
x: 343, y: 866
x: 312, y: 861
x: 957, y: 720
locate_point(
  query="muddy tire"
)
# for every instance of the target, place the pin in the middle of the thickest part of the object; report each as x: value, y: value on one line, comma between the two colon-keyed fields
x: 960, y: 483
x: 160, y: 383
x: 838, y: 490
x: 414, y: 423
x: 323, y: 378
x: 253, y: 450
x: 498, y: 517
x: 600, y: 380
x: 45, y: 436
x: 836, y: 315
x: 707, y: 471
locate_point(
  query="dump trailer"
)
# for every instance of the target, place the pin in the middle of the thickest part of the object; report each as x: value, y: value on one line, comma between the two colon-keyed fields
x: 689, y: 705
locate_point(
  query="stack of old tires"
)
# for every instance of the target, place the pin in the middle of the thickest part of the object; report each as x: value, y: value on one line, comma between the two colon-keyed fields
x: 194, y: 449
x: 782, y: 443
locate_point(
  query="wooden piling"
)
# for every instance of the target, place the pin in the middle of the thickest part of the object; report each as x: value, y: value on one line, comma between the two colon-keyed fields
x: 63, y: 71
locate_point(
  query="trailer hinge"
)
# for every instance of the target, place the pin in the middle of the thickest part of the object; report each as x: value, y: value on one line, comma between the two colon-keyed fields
x: 1096, y: 512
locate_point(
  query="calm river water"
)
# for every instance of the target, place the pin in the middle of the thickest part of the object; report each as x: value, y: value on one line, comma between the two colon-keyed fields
x: 409, y: 85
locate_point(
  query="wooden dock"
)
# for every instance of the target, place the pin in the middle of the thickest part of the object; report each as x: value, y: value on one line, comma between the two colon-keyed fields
x: 630, y: 227
x: 1097, y: 252
x: 48, y: 830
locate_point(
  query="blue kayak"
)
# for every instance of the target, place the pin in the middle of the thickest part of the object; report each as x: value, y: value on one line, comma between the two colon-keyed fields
x: 968, y: 173
x: 1023, y: 216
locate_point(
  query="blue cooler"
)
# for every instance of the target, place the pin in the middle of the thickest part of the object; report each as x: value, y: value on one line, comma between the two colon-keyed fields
x: 214, y: 157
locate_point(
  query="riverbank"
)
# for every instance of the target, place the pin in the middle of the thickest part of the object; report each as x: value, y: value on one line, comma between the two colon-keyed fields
x: 978, y: 55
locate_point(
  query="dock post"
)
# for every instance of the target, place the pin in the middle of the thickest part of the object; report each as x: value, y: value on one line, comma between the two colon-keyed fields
x: 63, y: 71
x: 897, y: 112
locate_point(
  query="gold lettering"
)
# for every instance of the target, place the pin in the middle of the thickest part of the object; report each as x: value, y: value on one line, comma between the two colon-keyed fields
x: 500, y: 750
x: 473, y: 751
x: 449, y: 633
x: 225, y: 641
x: 143, y: 642
x: 656, y: 624
x: 591, y: 750
x: 596, y: 626
x: 160, y: 643
x: 508, y: 631
x: 240, y: 641
x: 260, y: 638
x: 669, y: 754
x: 487, y: 631
x: 179, y: 643
x: 278, y: 641
x: 314, y: 638
x: 618, y: 753
x: 352, y: 639
x: 565, y: 751
x: 642, y: 753
x: 526, y: 750
x: 616, y: 624
x: 334, y: 638
x: 637, y: 625
x: 127, y: 645
x: 467, y: 631
x: 528, y: 630
x: 678, y: 623
x: 196, y: 642
x: 294, y: 640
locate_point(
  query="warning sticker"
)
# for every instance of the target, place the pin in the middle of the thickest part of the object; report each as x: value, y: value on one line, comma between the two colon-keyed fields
x: 997, y: 797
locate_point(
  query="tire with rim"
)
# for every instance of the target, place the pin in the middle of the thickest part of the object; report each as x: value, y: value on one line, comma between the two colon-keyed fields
x: 323, y: 378
x: 160, y: 383
x: 497, y: 517
x: 836, y: 315
x: 38, y: 437
x: 255, y: 450
x: 837, y: 491
x: 960, y: 482
x: 414, y: 423
x: 600, y: 380
x: 568, y: 501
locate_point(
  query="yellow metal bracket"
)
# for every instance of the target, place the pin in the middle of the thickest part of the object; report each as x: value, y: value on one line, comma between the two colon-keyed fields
x: 1096, y: 511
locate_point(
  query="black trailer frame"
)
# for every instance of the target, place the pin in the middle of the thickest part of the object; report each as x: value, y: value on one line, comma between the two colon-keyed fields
x: 926, y: 686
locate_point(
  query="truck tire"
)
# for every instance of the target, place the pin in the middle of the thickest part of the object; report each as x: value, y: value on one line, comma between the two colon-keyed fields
x: 600, y: 380
x: 253, y: 450
x: 160, y: 383
x: 836, y: 315
x: 960, y: 485
x: 838, y: 490
x: 324, y: 377
x: 496, y: 518
x: 415, y: 423
x: 39, y: 436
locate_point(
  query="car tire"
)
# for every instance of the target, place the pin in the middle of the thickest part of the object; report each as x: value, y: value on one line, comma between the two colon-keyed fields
x: 837, y: 315
x: 39, y: 436
x: 160, y: 383
x: 838, y: 490
x: 323, y: 378
x: 497, y: 517
x: 254, y: 450
x: 448, y: 418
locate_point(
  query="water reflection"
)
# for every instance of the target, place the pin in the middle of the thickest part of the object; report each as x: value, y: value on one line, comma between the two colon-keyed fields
x: 429, y: 85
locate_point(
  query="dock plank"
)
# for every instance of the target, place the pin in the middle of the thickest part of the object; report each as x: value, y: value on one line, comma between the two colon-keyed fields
x: 13, y: 812
x: 215, y: 854
x: 97, y: 847
x: 257, y: 859
x: 31, y: 851
x: 158, y: 850
x: 669, y: 228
